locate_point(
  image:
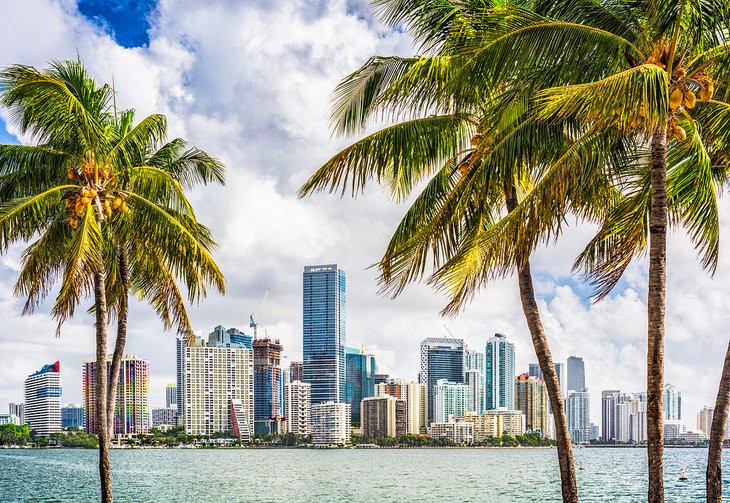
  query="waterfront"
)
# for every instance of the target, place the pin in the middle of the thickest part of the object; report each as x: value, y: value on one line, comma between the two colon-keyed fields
x: 308, y: 475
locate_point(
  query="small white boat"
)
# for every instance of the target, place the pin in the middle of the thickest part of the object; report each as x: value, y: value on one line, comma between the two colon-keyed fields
x: 581, y: 467
x: 683, y: 474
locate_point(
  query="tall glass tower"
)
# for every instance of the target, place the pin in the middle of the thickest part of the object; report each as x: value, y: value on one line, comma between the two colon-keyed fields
x: 360, y: 379
x: 324, y: 333
x: 576, y: 374
x: 500, y: 370
x: 440, y: 359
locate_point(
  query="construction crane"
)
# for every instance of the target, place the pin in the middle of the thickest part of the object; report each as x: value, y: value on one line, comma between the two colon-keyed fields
x: 449, y: 331
x: 255, y: 313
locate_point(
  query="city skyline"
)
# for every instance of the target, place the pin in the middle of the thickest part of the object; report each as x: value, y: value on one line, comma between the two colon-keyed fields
x: 272, y: 139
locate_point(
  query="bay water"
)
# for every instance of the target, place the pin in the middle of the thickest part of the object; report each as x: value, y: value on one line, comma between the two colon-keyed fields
x: 344, y: 475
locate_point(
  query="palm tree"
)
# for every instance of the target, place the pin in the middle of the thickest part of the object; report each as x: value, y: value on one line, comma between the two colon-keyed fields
x: 480, y: 156
x: 81, y: 198
x: 650, y: 72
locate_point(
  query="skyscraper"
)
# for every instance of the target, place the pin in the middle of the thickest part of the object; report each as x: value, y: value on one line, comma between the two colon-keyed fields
x: 180, y: 345
x: 672, y: 403
x: 268, y: 388
x: 222, y: 336
x: 171, y: 396
x: 440, y: 359
x: 17, y: 409
x: 576, y: 374
x: 324, y: 332
x: 299, y: 407
x: 42, y: 410
x: 360, y: 379
x: 609, y: 400
x: 531, y: 399
x: 72, y: 416
x: 164, y: 417
x: 500, y: 373
x: 132, y: 414
x: 218, y: 388
x: 474, y: 377
x: 562, y: 378
x: 578, y: 412
x: 451, y: 399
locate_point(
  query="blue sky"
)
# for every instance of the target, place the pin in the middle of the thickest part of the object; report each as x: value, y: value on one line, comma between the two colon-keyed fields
x: 126, y: 20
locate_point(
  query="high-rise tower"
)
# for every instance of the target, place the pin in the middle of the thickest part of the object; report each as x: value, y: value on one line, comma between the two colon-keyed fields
x: 324, y: 333
x: 500, y: 373
x: 576, y: 374
x: 268, y: 389
x: 42, y: 408
x: 440, y: 359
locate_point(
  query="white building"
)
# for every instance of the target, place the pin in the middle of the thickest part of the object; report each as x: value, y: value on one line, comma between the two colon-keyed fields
x: 214, y: 376
x: 673, y: 429
x: 475, y: 378
x: 43, y: 400
x: 459, y: 432
x: 331, y: 424
x: 298, y: 407
x: 9, y: 419
x: 451, y: 399
x: 578, y: 412
x: 672, y: 403
x: 692, y: 437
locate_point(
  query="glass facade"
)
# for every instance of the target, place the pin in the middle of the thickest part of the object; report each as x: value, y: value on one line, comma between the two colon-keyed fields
x: 576, y: 374
x: 324, y: 333
x: 72, y: 416
x: 267, y: 386
x: 500, y: 373
x: 360, y: 379
x: 440, y: 359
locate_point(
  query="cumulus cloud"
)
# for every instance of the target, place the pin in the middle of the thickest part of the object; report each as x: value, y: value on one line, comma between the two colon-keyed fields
x: 250, y: 83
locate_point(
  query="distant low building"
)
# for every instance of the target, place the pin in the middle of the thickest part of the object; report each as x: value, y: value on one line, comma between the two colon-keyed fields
x: 459, y: 432
x: 383, y: 416
x: 673, y: 429
x: 9, y: 419
x: 331, y: 424
x: 162, y: 417
x: 692, y: 437
x: 495, y: 423
x: 17, y: 409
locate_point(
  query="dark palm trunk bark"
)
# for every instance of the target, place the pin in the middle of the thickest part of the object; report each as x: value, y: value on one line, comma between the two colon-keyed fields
x: 656, y: 308
x: 542, y: 351
x: 717, y: 433
x: 111, y: 393
x: 101, y: 386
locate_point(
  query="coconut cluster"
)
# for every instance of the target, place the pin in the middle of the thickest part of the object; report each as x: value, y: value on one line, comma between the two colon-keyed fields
x: 92, y: 192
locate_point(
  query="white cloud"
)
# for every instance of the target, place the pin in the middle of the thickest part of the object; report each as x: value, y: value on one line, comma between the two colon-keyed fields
x: 250, y: 83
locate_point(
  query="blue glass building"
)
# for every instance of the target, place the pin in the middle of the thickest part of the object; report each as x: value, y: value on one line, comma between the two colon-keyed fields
x: 360, y: 379
x: 500, y: 370
x: 222, y: 337
x: 441, y: 358
x: 72, y: 416
x: 324, y: 333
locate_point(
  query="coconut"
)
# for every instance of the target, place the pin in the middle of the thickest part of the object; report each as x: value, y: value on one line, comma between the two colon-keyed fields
x: 71, y: 174
x: 689, y: 99
x: 675, y: 99
x: 679, y: 133
x: 73, y: 222
x: 681, y: 72
x: 123, y: 207
x: 117, y: 202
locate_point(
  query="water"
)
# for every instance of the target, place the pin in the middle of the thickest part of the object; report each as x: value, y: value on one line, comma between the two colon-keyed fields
x: 303, y: 475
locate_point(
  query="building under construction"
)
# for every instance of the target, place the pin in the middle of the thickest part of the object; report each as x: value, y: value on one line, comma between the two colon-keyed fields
x: 268, y: 386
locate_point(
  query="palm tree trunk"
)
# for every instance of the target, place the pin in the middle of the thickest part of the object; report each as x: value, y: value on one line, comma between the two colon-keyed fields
x: 111, y: 392
x: 542, y: 351
x: 656, y: 308
x: 713, y: 477
x: 101, y: 386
